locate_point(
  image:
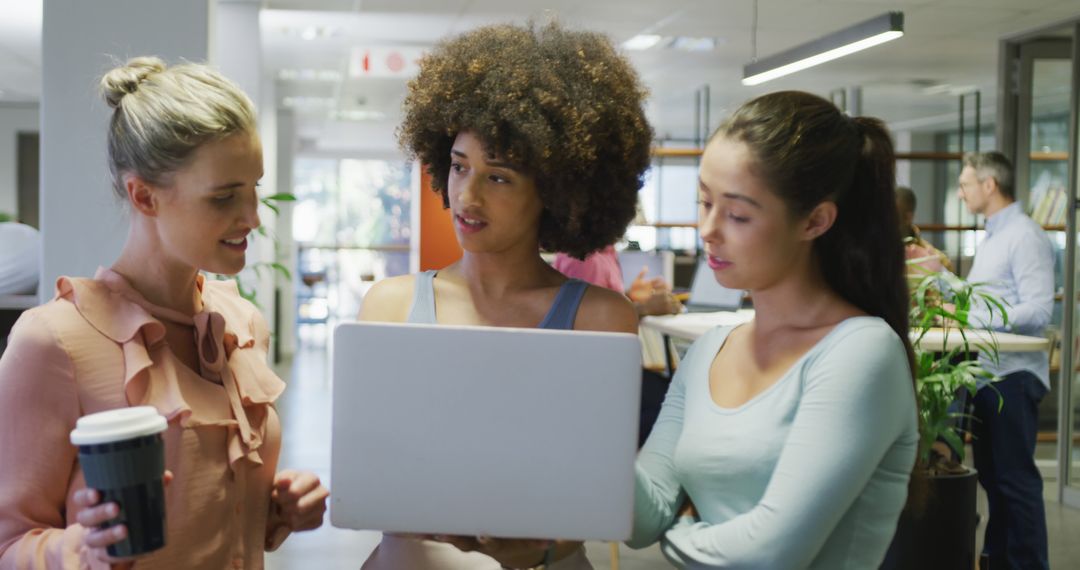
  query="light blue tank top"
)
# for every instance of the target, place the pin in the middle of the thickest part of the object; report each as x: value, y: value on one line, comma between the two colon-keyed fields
x: 561, y: 315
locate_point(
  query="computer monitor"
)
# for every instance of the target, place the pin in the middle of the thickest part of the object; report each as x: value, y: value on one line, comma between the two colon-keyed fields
x: 707, y: 294
x: 659, y: 264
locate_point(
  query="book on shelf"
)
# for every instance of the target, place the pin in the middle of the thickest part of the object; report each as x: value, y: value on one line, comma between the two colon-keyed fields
x: 1051, y: 206
x: 1061, y: 200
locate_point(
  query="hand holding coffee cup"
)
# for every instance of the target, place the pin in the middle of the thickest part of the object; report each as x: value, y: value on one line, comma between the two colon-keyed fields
x: 92, y: 514
x: 122, y: 455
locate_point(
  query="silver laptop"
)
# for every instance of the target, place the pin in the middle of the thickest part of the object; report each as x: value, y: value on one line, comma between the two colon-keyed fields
x: 708, y: 295
x: 520, y: 433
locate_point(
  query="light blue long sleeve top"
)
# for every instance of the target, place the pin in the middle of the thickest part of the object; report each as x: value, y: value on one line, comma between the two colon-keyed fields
x: 1015, y: 262
x: 811, y: 473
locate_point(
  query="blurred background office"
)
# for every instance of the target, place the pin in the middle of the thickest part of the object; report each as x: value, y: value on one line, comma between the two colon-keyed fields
x: 328, y: 77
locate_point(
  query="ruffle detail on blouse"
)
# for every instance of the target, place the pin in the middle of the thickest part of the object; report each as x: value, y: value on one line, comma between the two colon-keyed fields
x: 230, y: 358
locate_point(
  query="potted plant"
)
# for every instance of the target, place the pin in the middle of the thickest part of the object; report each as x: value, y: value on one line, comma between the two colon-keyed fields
x: 937, y: 530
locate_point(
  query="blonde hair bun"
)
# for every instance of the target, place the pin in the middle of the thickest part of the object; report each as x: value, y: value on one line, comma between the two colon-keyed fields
x: 125, y: 79
x: 162, y: 114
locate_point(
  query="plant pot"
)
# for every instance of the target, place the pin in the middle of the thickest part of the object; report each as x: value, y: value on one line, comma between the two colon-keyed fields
x: 942, y: 536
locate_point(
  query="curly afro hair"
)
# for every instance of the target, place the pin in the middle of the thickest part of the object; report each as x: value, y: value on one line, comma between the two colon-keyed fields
x: 561, y: 105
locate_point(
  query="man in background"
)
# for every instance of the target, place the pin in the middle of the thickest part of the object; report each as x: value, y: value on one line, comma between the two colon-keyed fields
x: 1016, y: 263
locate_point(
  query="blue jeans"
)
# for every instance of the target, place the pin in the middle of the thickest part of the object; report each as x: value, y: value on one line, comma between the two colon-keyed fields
x: 1004, y: 445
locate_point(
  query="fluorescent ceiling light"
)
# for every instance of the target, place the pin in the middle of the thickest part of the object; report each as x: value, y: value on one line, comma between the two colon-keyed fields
x: 641, y: 42
x: 357, y: 115
x: 695, y: 44
x: 310, y: 33
x: 872, y: 32
x: 308, y: 102
x: 290, y: 74
x: 949, y: 89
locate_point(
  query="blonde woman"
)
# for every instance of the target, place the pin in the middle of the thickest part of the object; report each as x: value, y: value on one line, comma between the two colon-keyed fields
x: 150, y: 330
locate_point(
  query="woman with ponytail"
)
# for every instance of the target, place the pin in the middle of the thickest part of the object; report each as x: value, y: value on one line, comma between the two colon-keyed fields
x: 788, y: 442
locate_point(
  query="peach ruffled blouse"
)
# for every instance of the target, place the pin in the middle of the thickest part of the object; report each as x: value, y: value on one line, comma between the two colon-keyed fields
x: 100, y: 345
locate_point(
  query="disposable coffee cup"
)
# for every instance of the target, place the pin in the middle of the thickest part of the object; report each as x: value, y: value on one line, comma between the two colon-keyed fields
x: 122, y: 455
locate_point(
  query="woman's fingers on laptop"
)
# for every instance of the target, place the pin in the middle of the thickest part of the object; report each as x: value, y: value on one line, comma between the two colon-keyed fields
x: 299, y: 499
x: 514, y: 552
x: 463, y: 543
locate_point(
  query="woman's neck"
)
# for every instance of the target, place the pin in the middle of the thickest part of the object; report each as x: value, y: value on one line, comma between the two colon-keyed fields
x: 160, y: 281
x: 800, y: 300
x: 498, y: 274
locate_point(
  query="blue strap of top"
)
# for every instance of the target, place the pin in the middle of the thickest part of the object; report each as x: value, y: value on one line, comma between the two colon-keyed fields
x: 561, y: 315
x: 564, y: 310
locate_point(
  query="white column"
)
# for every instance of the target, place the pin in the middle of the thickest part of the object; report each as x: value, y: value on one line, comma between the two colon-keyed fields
x: 236, y: 50
x: 235, y: 47
x: 83, y: 225
x: 286, y: 251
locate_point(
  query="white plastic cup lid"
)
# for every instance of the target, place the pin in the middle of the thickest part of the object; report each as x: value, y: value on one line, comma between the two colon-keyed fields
x: 118, y: 425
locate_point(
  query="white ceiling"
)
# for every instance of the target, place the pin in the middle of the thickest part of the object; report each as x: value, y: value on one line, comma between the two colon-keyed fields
x: 952, y: 42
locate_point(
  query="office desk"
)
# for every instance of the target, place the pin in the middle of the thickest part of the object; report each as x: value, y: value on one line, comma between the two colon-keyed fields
x: 690, y: 326
x: 18, y: 302
x: 11, y: 306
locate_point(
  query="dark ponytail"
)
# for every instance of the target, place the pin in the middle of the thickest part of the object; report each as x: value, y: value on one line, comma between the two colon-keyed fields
x: 862, y: 255
x: 808, y: 152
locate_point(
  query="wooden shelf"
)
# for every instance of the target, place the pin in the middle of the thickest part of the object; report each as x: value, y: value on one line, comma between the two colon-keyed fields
x: 945, y: 228
x: 1052, y: 437
x: 1049, y: 156
x: 922, y: 227
x: 949, y: 228
x: 664, y: 152
x: 929, y: 156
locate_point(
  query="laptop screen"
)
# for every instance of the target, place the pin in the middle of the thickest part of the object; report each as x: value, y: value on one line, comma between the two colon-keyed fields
x: 706, y: 291
x: 631, y: 263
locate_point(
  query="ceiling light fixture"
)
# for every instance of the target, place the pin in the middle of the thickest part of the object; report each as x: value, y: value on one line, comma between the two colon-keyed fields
x: 307, y: 102
x: 291, y: 74
x: 694, y: 44
x: 858, y: 37
x: 357, y: 115
x: 641, y: 42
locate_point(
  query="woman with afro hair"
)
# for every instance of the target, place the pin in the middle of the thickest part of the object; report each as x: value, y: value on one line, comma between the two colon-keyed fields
x: 536, y: 138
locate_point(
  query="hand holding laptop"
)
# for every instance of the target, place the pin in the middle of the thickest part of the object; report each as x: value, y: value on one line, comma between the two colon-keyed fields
x: 508, y: 552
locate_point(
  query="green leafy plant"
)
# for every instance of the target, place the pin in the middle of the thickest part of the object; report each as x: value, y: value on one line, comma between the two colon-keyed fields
x: 943, y: 300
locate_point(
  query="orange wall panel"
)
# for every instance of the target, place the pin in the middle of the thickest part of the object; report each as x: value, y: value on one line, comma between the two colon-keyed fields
x: 438, y: 244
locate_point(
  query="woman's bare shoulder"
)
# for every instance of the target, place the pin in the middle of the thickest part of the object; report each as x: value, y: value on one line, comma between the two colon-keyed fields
x: 606, y: 310
x: 389, y: 300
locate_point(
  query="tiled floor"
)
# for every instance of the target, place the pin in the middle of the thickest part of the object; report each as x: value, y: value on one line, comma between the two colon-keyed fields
x: 305, y: 410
